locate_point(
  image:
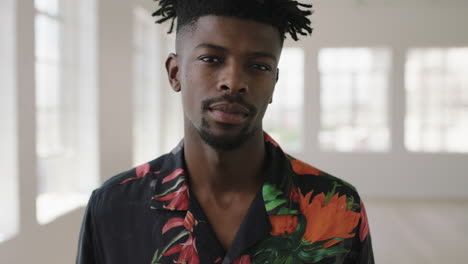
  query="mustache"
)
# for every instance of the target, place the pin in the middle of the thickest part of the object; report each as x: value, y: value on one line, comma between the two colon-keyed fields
x: 238, y: 99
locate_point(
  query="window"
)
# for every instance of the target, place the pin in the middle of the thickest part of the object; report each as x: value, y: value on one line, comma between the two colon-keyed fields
x: 353, y: 97
x: 9, y: 201
x: 65, y: 105
x: 437, y: 100
x: 284, y: 117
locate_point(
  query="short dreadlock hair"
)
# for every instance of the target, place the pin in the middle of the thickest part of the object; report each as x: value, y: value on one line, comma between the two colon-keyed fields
x: 285, y: 15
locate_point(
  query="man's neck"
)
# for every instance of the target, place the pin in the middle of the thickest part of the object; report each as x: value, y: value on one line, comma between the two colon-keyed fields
x: 220, y: 173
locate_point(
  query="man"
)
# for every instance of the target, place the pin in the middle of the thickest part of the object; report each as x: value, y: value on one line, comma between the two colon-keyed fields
x: 227, y: 193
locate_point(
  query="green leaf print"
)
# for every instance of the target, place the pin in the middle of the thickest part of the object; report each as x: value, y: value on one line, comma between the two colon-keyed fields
x: 317, y: 253
x: 175, y: 186
x: 273, y: 204
x: 293, y: 249
x: 286, y: 211
x: 270, y: 192
x: 332, y: 192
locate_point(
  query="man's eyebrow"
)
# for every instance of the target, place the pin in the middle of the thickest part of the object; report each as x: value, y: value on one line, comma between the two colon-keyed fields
x: 257, y: 54
x: 211, y: 46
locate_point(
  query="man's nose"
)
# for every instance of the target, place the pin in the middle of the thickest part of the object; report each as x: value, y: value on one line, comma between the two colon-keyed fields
x: 233, y: 79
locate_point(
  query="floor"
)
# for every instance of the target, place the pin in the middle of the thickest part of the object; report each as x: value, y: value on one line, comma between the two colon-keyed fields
x: 419, y: 232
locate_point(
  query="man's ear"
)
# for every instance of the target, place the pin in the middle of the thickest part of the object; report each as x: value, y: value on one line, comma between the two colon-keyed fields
x: 172, y: 68
x: 276, y: 81
x: 277, y: 75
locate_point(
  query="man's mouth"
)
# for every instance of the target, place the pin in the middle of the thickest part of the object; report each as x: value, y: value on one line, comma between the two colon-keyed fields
x: 229, y: 108
x: 228, y: 113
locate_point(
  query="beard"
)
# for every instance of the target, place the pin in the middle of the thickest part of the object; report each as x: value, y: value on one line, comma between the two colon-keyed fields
x: 223, y: 142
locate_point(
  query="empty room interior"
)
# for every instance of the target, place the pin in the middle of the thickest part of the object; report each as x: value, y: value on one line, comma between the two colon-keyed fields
x: 377, y: 96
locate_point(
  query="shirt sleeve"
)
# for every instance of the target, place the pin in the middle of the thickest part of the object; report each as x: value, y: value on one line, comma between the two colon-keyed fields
x: 87, y: 250
x: 366, y: 255
x: 362, y: 252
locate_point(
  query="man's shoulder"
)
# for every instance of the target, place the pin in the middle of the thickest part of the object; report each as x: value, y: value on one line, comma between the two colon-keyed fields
x: 312, y: 179
x: 134, y: 180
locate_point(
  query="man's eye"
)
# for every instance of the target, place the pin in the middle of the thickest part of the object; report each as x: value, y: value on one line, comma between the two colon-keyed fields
x: 261, y: 67
x: 210, y: 59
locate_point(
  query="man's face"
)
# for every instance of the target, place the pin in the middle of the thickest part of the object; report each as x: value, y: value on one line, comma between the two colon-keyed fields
x: 226, y: 69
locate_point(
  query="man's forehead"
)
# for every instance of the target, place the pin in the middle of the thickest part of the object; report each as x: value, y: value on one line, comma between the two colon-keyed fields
x: 223, y: 32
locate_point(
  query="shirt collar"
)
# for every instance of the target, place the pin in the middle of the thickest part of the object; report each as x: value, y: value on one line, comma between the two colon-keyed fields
x: 170, y: 191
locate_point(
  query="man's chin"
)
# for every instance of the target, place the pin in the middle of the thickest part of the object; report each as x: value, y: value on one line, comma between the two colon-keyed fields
x: 223, y: 142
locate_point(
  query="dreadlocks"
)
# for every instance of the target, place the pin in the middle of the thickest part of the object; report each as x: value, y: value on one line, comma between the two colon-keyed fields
x: 285, y: 15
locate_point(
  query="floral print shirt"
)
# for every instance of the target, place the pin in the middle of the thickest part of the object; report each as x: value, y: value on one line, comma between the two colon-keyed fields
x: 301, y: 215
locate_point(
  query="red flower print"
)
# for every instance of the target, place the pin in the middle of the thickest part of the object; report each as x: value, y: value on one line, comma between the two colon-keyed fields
x: 173, y: 175
x: 364, y: 228
x: 302, y: 168
x: 173, y: 222
x: 190, y: 221
x: 283, y: 224
x: 269, y: 139
x: 179, y: 200
x: 141, y: 172
x: 244, y: 259
x: 188, y: 253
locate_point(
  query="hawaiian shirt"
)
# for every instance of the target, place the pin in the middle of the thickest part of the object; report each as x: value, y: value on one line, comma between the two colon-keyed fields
x: 301, y: 215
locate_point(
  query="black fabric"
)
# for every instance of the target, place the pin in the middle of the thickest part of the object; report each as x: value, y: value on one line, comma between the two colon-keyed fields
x: 148, y: 215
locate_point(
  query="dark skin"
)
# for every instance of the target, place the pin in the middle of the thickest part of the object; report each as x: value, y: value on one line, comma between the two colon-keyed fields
x: 218, y: 56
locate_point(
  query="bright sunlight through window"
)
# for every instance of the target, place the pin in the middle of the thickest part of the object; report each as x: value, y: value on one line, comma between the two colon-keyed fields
x: 65, y: 106
x: 353, y: 97
x: 437, y: 100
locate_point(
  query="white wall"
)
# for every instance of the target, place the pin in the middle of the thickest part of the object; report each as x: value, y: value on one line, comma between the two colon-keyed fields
x: 398, y: 25
x: 397, y: 174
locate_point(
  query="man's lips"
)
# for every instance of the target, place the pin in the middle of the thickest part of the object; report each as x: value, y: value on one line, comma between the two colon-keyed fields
x: 228, y: 113
x: 230, y: 108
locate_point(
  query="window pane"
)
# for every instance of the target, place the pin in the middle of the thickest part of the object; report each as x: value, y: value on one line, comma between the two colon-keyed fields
x: 9, y: 202
x: 437, y: 100
x: 65, y: 107
x: 49, y: 132
x: 47, y: 6
x: 284, y: 117
x: 353, y: 96
x: 47, y: 38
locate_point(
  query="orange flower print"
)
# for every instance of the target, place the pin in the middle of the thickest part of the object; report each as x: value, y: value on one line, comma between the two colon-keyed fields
x: 327, y: 220
x: 302, y: 168
x: 283, y: 224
